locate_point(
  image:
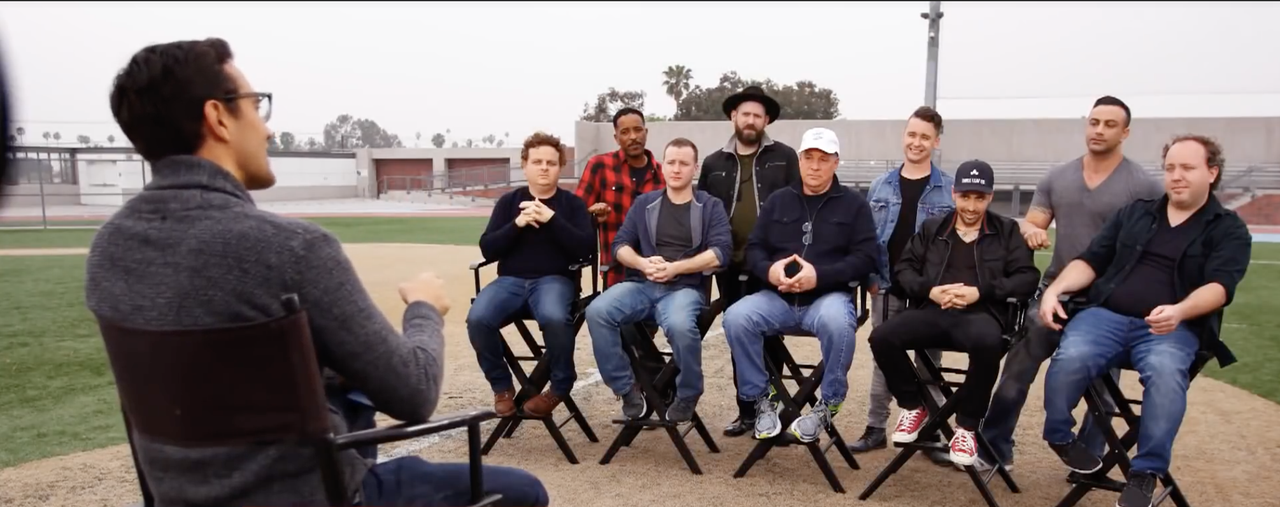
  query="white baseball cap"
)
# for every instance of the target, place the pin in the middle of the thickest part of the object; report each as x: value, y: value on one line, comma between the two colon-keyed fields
x: 822, y: 139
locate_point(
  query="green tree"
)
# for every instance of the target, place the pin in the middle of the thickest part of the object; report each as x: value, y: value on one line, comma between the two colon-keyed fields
x: 610, y: 102
x: 288, y: 141
x: 678, y: 80
x: 803, y: 100
x: 438, y: 140
x: 348, y: 132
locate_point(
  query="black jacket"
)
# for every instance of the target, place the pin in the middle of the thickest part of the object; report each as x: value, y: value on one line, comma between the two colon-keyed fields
x: 1219, y: 253
x: 1007, y: 266
x: 843, y: 245
x: 776, y: 166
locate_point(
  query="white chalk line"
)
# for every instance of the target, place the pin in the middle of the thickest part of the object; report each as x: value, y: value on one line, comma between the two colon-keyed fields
x: 414, y: 446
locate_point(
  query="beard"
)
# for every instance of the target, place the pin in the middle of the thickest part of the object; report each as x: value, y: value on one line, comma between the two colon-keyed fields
x: 749, y: 137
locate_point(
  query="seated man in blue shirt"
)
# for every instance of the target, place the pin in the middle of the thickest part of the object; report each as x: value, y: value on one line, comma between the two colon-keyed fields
x: 811, y: 241
x: 670, y: 242
x: 1159, y: 275
x: 536, y: 233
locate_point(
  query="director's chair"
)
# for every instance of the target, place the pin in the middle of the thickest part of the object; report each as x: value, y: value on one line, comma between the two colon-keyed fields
x: 532, y: 383
x: 932, y: 377
x: 655, y: 374
x: 1119, y: 446
x: 258, y: 382
x: 776, y: 358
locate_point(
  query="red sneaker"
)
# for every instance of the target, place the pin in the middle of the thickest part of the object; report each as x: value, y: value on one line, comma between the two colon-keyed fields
x: 909, y: 423
x: 964, y: 447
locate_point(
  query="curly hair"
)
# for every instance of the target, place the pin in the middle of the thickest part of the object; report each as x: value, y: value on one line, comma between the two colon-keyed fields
x: 1213, y: 156
x: 544, y: 139
x: 158, y: 97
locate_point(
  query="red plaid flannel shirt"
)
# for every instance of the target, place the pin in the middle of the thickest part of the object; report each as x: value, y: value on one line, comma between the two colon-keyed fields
x: 607, y: 179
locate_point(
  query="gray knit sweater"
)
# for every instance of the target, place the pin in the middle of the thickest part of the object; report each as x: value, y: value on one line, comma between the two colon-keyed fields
x: 192, y: 250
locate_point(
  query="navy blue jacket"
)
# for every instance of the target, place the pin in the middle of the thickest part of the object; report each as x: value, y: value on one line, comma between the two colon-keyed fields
x: 707, y: 219
x: 1219, y: 253
x: 843, y: 246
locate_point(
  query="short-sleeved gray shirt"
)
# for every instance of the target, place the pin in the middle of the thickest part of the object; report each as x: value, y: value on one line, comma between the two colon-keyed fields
x: 1080, y: 213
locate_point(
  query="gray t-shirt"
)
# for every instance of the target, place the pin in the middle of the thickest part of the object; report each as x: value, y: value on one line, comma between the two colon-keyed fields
x: 1079, y: 213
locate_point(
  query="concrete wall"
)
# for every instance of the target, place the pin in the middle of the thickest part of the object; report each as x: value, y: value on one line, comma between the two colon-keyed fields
x: 1247, y: 140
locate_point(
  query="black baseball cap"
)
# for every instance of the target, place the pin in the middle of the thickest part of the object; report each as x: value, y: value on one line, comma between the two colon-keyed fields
x: 975, y: 176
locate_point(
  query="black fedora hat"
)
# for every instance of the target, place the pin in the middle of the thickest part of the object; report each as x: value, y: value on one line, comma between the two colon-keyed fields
x: 753, y: 94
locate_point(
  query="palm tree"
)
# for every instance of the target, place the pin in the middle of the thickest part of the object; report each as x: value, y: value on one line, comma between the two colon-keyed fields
x: 678, y: 79
x: 111, y: 139
x: 57, y: 137
x: 21, y: 132
x: 46, y: 136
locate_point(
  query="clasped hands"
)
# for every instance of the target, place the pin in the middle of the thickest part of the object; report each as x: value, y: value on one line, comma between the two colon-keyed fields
x: 804, y: 280
x: 660, y: 270
x: 954, y: 295
x: 533, y: 213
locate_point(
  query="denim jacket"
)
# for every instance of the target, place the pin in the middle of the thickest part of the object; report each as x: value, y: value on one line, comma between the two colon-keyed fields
x: 885, y: 197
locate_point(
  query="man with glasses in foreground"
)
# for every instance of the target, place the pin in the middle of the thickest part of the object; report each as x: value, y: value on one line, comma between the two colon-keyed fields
x: 193, y: 251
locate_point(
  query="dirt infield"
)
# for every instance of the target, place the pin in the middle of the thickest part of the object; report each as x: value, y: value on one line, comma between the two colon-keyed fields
x: 1210, y: 451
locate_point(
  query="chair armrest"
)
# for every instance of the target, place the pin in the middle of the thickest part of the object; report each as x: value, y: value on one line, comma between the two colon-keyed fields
x: 481, y: 263
x: 405, y: 431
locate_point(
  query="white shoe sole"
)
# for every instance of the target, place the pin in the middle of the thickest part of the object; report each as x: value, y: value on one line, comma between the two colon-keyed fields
x: 962, y: 461
x: 904, y: 438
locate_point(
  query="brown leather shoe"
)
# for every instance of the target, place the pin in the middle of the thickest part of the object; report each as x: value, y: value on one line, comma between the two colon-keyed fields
x: 504, y: 403
x: 542, y: 405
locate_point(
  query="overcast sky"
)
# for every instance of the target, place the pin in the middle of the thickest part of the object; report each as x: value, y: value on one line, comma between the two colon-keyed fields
x: 480, y: 68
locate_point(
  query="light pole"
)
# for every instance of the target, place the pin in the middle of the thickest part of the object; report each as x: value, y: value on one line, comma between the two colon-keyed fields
x: 934, y: 16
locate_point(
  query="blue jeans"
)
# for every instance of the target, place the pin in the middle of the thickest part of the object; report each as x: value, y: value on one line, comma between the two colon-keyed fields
x: 414, y: 482
x: 675, y: 307
x: 831, y: 318
x: 1097, y: 339
x: 548, y: 299
x: 1021, y: 366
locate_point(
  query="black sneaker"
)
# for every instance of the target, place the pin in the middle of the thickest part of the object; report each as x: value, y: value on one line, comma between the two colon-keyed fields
x: 1137, y: 493
x: 633, y: 404
x: 872, y: 438
x: 1077, y: 457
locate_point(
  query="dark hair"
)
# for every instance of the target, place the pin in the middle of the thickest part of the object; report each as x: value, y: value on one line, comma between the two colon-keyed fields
x: 158, y: 97
x: 626, y: 111
x: 1212, y: 153
x: 1108, y: 100
x: 543, y: 139
x: 930, y: 115
x: 681, y: 142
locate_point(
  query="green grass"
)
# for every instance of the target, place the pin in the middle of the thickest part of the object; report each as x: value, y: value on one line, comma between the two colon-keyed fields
x: 57, y: 395
x: 434, y: 230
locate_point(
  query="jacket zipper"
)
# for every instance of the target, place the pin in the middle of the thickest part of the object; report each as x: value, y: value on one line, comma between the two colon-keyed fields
x: 755, y: 181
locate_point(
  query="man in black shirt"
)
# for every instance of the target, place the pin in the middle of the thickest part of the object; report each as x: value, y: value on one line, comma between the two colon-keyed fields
x: 671, y: 240
x: 901, y: 200
x: 535, y: 233
x: 1159, y: 275
x: 958, y: 272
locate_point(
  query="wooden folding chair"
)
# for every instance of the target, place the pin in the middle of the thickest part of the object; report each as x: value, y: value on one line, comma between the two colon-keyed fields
x: 655, y: 374
x: 533, y: 382
x: 777, y: 357
x: 251, y: 383
x: 940, y: 415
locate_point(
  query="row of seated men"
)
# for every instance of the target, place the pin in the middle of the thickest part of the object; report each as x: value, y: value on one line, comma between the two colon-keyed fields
x: 813, y: 239
x: 192, y: 250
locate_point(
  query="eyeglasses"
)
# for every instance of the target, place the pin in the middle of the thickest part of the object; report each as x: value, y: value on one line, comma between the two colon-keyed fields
x: 262, y: 100
x: 808, y: 233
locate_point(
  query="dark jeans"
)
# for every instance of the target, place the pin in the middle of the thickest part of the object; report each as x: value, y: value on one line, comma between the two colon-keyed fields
x: 1021, y: 366
x: 414, y: 482
x: 548, y: 299
x: 731, y: 291
x: 974, y: 332
x: 1097, y: 339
